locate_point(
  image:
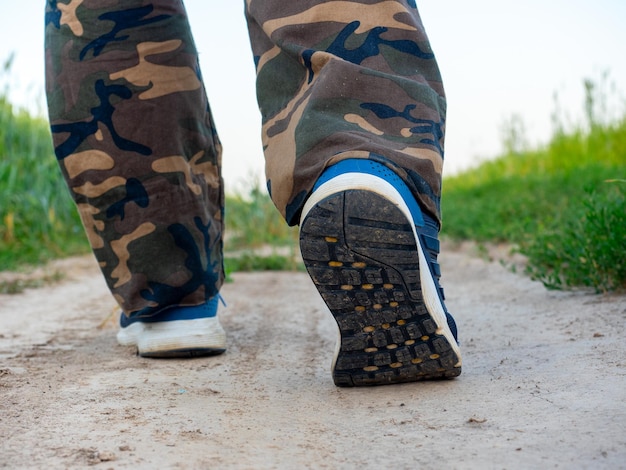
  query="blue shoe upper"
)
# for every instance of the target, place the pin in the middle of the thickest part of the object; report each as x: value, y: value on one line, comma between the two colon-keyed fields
x: 371, y: 167
x: 206, y: 310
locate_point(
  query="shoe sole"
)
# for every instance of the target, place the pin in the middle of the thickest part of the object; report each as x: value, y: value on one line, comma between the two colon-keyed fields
x: 175, y: 339
x: 365, y: 259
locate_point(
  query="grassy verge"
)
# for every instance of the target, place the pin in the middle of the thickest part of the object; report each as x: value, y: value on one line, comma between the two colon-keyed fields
x: 257, y: 238
x: 38, y: 221
x: 562, y: 205
x: 252, y: 221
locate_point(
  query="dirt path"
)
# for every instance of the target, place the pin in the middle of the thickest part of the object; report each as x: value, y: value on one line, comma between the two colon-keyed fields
x: 543, y: 384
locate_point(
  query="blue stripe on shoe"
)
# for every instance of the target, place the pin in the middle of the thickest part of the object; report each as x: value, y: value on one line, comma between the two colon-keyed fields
x: 206, y: 310
x: 371, y: 167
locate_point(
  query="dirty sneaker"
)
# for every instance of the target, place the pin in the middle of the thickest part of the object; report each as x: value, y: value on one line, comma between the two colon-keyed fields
x: 177, y: 332
x: 372, y: 253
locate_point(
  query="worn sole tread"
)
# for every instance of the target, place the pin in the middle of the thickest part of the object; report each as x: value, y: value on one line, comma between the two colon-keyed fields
x: 361, y: 254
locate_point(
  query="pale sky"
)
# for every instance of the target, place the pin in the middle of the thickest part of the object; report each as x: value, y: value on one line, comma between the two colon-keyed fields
x: 497, y: 57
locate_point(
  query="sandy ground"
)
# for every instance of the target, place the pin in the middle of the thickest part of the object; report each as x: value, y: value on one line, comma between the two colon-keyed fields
x: 543, y: 386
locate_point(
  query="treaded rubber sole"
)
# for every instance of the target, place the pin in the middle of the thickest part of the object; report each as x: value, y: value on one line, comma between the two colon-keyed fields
x: 183, y: 353
x: 361, y: 253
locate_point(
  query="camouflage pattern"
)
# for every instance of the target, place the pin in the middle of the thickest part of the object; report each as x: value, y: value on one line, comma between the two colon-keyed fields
x: 346, y: 79
x: 136, y: 142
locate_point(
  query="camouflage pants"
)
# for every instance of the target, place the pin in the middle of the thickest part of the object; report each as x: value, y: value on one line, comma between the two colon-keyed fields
x: 136, y: 143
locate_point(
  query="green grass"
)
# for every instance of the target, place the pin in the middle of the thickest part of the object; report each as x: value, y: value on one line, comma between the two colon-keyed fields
x: 252, y: 221
x: 563, y: 205
x: 255, y: 231
x: 251, y: 261
x: 514, y: 196
x: 38, y: 221
x: 559, y: 205
x: 587, y: 249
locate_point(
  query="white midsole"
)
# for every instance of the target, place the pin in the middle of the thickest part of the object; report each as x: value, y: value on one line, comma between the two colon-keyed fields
x: 199, y: 333
x: 364, y: 181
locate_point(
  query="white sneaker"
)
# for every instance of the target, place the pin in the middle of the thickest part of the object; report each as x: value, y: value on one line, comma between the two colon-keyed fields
x: 176, y: 332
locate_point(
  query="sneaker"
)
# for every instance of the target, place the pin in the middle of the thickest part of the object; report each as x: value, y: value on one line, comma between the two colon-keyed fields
x: 176, y: 332
x: 372, y: 254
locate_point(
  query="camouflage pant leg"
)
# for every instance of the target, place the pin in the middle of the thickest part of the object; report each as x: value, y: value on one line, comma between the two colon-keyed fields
x: 346, y: 79
x: 135, y: 140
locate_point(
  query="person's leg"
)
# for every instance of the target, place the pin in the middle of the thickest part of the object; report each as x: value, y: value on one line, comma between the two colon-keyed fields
x: 346, y: 79
x: 353, y: 112
x: 135, y: 140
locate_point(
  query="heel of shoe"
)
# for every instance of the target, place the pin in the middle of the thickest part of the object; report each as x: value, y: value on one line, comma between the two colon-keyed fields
x: 365, y: 258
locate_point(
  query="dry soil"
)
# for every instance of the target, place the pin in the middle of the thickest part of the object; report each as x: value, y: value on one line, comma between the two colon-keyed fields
x: 543, y: 384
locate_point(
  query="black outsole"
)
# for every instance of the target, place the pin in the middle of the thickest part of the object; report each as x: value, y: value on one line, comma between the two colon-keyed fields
x: 183, y: 353
x: 361, y: 254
